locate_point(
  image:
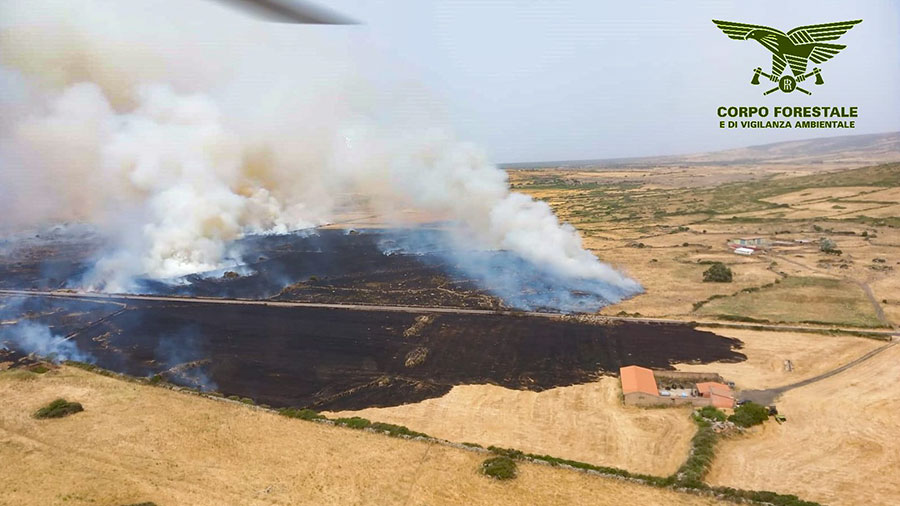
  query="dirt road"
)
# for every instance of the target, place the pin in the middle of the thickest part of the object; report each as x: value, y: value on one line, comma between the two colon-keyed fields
x: 887, y: 334
x: 768, y: 396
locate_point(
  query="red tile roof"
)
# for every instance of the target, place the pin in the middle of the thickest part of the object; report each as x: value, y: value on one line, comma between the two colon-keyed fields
x: 638, y: 379
x: 721, y: 394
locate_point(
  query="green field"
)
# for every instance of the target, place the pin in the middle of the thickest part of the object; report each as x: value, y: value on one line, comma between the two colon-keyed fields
x: 799, y: 300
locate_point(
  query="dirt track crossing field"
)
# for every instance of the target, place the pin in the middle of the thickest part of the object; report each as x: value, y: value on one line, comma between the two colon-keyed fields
x: 839, y: 444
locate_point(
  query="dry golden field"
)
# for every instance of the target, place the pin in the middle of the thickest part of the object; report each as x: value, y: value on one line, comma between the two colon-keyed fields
x: 586, y: 422
x: 663, y: 225
x: 661, y: 228
x: 135, y: 443
x: 664, y: 231
x: 810, y: 355
x: 839, y: 445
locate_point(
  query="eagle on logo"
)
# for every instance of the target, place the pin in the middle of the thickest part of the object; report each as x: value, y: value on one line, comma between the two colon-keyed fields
x: 794, y: 49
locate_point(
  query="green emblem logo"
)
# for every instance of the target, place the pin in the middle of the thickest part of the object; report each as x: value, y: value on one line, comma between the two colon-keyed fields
x: 794, y: 49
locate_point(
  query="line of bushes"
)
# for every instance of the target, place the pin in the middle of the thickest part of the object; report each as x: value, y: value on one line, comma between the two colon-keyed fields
x: 861, y: 333
x: 354, y: 422
x: 881, y: 336
x: 750, y: 289
x: 302, y: 414
x: 689, y: 476
x: 700, y: 457
x: 742, y: 318
x: 605, y: 470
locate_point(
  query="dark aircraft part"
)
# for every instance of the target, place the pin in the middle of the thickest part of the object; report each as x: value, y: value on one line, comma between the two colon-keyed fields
x: 290, y: 11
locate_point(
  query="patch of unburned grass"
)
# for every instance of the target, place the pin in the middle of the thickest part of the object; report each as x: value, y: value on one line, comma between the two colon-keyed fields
x: 20, y: 374
x: 798, y: 300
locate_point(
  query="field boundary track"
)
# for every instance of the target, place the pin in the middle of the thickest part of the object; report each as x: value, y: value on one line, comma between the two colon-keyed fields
x: 118, y: 297
x: 768, y: 396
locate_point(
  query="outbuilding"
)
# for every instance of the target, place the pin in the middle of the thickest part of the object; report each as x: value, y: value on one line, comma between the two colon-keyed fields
x: 639, y: 386
x: 719, y: 394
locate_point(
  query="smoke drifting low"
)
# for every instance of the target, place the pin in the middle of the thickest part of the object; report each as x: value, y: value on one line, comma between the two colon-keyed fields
x: 18, y: 331
x: 30, y: 337
x: 518, y: 282
x: 177, y: 141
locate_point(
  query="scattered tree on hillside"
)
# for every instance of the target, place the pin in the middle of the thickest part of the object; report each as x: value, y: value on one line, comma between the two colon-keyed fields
x: 828, y: 246
x: 718, y: 273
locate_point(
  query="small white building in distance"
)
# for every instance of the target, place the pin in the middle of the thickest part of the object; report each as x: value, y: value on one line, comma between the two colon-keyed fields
x: 753, y: 242
x: 744, y: 251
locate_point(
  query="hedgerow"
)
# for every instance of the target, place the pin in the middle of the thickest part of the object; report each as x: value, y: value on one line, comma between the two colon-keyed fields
x: 302, y: 414
x: 701, y: 454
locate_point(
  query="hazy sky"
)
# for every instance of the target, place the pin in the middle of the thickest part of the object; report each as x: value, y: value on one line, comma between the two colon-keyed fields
x: 571, y: 79
x: 533, y: 80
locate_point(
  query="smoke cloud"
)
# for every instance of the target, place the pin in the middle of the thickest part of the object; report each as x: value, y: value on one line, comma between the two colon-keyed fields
x: 177, y: 135
x: 32, y: 337
x: 22, y: 330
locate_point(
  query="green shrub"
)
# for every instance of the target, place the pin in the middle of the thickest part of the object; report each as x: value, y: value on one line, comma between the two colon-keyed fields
x: 58, y: 409
x: 712, y: 413
x: 741, y: 318
x: 718, y: 273
x: 39, y: 369
x: 303, y: 414
x: 353, y: 422
x: 749, y: 414
x: 395, y: 430
x: 507, y: 452
x: 500, y: 468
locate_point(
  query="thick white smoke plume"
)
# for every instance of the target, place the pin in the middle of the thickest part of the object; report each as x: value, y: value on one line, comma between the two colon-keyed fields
x: 176, y: 134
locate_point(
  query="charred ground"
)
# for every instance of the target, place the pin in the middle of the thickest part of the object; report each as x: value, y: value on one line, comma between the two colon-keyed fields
x: 337, y: 358
x: 334, y: 266
x: 349, y: 359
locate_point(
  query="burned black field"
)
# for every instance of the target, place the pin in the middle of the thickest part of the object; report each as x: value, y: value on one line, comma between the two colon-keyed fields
x: 328, y: 266
x: 332, y: 358
x: 402, y: 267
x: 350, y: 359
